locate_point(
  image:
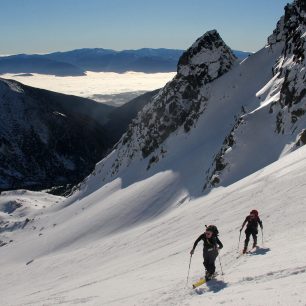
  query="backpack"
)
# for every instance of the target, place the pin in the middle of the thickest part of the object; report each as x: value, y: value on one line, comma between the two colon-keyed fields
x: 213, y: 229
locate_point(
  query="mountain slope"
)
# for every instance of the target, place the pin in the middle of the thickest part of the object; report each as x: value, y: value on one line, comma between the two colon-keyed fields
x: 48, y: 139
x: 218, y: 127
x: 120, y: 118
x: 279, y: 120
x: 124, y: 236
x: 125, y: 242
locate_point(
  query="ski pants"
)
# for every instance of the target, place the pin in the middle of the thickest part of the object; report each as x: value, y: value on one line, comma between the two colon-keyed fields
x: 210, y: 256
x: 248, y: 233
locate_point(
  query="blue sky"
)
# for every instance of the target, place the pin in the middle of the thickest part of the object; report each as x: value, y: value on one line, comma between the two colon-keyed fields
x: 39, y: 26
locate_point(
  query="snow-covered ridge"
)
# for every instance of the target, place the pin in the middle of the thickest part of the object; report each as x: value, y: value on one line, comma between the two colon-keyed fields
x: 177, y: 106
x: 207, y: 59
x: 283, y: 97
x: 183, y: 99
x: 218, y: 116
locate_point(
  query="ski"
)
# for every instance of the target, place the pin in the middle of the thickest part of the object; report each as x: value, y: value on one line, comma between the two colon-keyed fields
x: 203, y: 281
x: 199, y: 283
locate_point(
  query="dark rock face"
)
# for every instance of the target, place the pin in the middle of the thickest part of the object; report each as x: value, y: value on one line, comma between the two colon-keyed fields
x: 219, y: 162
x: 291, y: 66
x: 181, y: 101
x: 207, y: 59
x: 303, y: 138
x: 289, y: 111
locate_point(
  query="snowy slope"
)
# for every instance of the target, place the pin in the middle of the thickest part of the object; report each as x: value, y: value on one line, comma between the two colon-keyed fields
x: 19, y: 208
x: 223, y: 137
x: 114, y: 250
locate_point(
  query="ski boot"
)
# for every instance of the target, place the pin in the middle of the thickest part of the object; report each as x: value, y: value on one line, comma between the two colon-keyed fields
x: 208, y: 276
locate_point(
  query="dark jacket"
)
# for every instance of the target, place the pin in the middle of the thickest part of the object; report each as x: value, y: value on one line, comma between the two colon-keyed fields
x: 209, y: 243
x: 252, y: 223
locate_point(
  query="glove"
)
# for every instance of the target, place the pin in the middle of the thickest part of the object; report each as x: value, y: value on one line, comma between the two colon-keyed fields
x: 191, y: 252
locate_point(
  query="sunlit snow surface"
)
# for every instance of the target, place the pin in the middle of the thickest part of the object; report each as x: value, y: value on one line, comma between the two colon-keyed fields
x: 96, y: 84
x: 115, y: 247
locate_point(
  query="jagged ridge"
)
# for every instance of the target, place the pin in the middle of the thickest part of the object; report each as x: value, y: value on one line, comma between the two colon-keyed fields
x: 288, y: 107
x: 218, y: 126
x: 181, y: 101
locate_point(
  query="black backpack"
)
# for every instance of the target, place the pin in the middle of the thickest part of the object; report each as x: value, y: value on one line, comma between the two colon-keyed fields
x: 213, y: 229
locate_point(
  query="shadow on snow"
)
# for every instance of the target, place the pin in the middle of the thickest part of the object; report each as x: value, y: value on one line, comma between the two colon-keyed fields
x: 213, y: 286
x: 260, y: 251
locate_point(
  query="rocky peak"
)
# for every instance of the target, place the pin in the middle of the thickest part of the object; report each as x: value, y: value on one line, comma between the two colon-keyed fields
x: 208, y: 58
x: 294, y: 17
x: 180, y: 102
x: 291, y: 29
x: 287, y: 102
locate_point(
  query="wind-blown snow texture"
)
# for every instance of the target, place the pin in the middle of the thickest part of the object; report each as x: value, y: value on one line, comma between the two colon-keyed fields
x: 124, y: 236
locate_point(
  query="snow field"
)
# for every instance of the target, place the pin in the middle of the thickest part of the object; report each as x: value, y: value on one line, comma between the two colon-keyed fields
x: 144, y: 261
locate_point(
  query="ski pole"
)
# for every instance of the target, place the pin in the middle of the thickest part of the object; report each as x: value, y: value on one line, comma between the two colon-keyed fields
x: 188, y: 270
x: 220, y: 265
x: 262, y: 239
x: 239, y: 241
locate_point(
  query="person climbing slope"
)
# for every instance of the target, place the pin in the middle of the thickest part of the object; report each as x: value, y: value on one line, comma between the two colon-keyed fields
x: 252, y: 221
x: 211, y: 246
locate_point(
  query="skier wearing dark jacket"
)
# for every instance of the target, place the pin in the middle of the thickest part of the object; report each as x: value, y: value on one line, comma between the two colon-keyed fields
x: 210, y: 249
x: 252, y: 221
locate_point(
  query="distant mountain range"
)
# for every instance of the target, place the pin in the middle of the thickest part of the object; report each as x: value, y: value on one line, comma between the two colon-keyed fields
x: 77, y: 62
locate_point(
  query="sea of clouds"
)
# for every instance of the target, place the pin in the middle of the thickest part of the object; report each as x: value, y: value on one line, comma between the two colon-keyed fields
x: 106, y: 87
